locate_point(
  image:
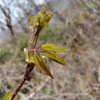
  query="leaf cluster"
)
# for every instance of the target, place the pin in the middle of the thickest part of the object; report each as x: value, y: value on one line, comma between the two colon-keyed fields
x: 41, y: 19
x: 34, y: 54
x: 47, y: 50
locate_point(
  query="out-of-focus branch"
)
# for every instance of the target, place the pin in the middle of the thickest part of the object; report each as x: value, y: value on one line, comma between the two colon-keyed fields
x: 93, y: 10
x: 8, y: 20
x: 38, y: 89
x: 36, y: 8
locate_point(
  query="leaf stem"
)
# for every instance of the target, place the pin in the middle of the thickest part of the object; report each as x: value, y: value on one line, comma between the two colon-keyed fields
x: 36, y: 36
x: 33, y: 40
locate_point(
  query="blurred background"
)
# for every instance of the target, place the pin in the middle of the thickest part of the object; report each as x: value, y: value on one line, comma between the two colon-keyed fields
x: 74, y: 26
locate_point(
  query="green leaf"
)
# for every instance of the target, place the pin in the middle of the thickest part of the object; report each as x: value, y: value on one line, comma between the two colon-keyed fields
x: 44, y: 21
x: 28, y: 60
x: 30, y: 19
x: 41, y: 19
x: 52, y: 47
x: 54, y: 57
x: 26, y: 54
x: 41, y: 65
x: 8, y: 96
x: 33, y: 20
x: 31, y: 60
x: 42, y: 12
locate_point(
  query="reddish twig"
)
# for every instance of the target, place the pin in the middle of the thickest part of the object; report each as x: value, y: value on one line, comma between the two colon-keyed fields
x: 29, y: 69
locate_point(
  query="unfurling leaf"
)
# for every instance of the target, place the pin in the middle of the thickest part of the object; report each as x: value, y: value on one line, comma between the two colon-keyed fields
x: 30, y: 19
x: 28, y: 60
x: 26, y: 54
x: 42, y: 12
x: 41, y: 19
x: 44, y: 21
x: 41, y: 65
x: 33, y: 20
x: 54, y: 57
x: 52, y: 47
x: 8, y: 96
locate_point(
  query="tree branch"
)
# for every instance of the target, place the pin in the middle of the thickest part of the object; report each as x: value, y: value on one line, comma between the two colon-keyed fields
x: 29, y: 69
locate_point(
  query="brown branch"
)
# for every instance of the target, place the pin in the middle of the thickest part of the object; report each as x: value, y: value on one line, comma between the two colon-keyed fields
x: 29, y: 69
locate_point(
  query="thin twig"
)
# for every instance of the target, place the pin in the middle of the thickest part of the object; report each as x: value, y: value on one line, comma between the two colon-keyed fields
x: 36, y: 36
